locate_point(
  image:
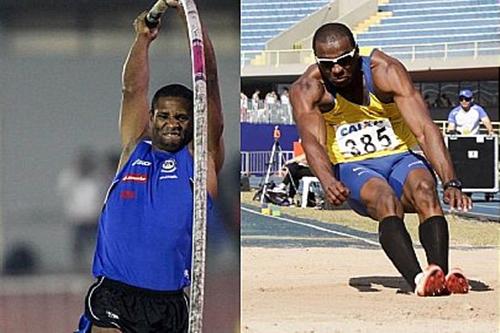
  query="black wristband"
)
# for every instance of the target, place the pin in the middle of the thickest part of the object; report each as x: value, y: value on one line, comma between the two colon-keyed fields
x: 455, y: 183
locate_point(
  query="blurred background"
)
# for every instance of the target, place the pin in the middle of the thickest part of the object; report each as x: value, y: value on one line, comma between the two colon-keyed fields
x: 60, y: 94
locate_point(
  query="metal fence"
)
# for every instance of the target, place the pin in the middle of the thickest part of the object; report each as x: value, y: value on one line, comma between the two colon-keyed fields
x: 256, y: 163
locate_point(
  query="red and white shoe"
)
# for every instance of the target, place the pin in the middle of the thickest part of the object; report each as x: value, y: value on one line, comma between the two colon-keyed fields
x: 456, y: 282
x: 432, y: 282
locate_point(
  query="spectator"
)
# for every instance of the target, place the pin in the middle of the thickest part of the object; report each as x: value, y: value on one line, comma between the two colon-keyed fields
x: 285, y: 104
x: 79, y: 186
x: 296, y: 168
x: 255, y: 105
x: 427, y: 100
x: 465, y: 118
x: 243, y: 107
x: 270, y: 104
x: 445, y: 101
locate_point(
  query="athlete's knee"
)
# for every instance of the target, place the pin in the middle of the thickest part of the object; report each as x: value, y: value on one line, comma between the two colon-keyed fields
x: 425, y: 195
x: 385, y: 204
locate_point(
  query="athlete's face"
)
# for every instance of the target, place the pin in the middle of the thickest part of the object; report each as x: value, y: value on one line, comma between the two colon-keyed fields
x: 337, y: 60
x: 172, y: 123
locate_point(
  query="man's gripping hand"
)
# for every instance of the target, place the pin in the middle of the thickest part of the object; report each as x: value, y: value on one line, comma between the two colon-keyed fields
x: 173, y: 3
x: 142, y: 29
x: 335, y: 192
x: 456, y: 199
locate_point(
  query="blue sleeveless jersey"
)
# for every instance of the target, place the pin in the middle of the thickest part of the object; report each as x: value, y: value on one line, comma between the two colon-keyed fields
x: 145, y: 228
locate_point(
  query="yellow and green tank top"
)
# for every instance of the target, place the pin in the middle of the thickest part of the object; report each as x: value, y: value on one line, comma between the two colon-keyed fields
x: 360, y: 132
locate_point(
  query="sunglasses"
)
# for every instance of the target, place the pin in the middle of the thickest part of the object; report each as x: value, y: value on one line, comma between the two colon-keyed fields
x: 343, y: 61
x: 462, y: 98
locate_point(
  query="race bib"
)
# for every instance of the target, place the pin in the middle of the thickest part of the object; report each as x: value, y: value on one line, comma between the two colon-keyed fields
x: 365, y: 137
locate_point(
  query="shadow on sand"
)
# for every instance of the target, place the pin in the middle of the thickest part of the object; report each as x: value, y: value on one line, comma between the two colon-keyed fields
x: 373, y: 283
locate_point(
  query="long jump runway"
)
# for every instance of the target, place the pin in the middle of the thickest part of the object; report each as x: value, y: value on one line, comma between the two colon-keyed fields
x: 279, y: 232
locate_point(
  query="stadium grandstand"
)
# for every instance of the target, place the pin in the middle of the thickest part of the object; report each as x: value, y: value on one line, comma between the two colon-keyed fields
x: 446, y: 46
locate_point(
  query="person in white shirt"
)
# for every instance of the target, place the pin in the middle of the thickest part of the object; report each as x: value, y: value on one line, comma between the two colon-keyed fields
x: 285, y: 104
x: 466, y: 118
x: 81, y: 192
x: 270, y: 106
x: 256, y: 113
x: 243, y: 107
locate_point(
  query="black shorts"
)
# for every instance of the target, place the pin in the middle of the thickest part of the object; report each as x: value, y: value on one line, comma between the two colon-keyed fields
x: 112, y: 304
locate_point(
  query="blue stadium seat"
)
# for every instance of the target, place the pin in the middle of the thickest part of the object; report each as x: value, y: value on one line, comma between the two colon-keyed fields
x: 428, y: 39
x: 493, y: 12
x: 463, y: 23
x: 429, y: 32
x: 416, y: 23
x: 433, y: 10
x: 262, y: 20
x: 412, y: 26
x: 437, y: 5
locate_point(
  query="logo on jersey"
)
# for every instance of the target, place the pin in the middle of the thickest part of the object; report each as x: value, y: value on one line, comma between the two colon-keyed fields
x: 347, y: 129
x: 127, y: 194
x: 168, y: 177
x: 112, y: 315
x: 169, y: 166
x: 141, y: 163
x: 138, y: 178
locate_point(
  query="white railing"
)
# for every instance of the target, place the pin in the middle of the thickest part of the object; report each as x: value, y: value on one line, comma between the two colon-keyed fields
x: 267, y: 114
x: 443, y: 124
x: 413, y: 52
x: 257, y: 162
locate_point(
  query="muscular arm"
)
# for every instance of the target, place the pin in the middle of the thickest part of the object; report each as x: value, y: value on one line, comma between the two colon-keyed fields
x: 215, y: 118
x: 394, y: 78
x: 305, y: 95
x: 134, y: 113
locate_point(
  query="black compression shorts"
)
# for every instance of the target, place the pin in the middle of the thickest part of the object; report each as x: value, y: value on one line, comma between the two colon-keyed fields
x: 112, y: 304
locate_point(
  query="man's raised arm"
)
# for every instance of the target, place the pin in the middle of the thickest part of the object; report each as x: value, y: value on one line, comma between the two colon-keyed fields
x: 215, y: 118
x: 134, y: 114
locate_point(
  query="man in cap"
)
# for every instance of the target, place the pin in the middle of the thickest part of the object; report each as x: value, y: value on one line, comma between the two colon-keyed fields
x: 466, y: 117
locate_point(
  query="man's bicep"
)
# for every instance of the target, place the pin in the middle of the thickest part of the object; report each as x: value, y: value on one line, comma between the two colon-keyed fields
x: 134, y: 118
x: 216, y: 153
x: 311, y: 127
x: 305, y: 96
